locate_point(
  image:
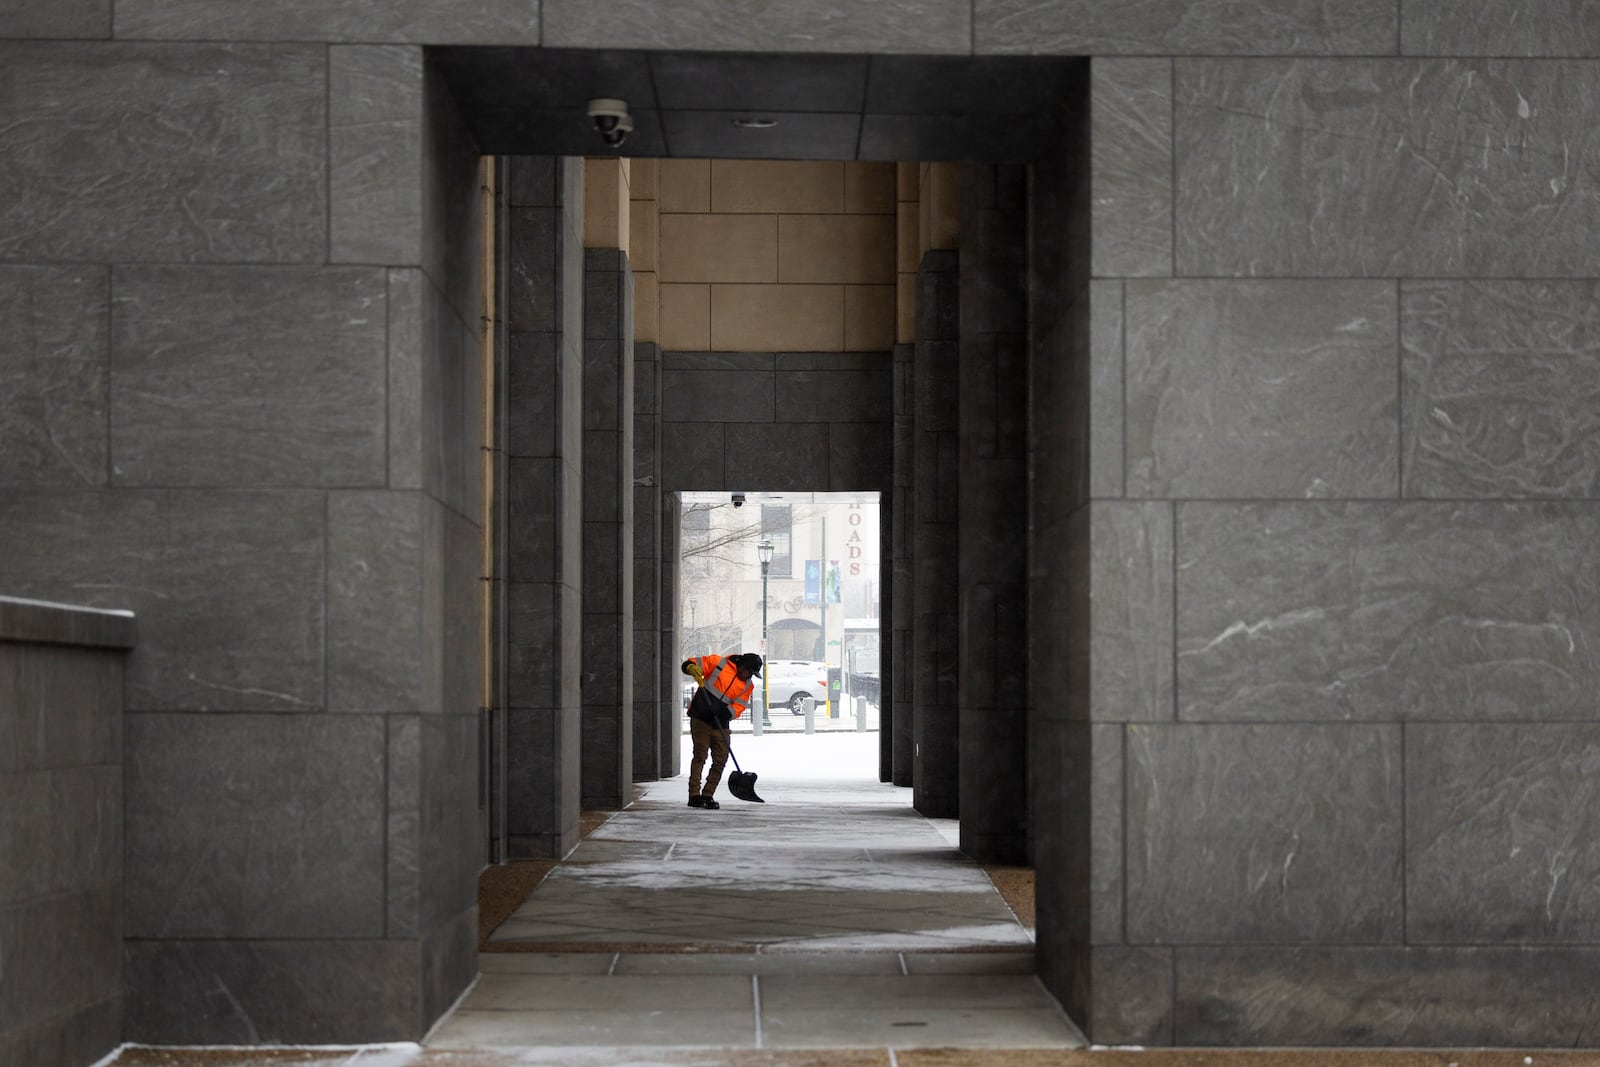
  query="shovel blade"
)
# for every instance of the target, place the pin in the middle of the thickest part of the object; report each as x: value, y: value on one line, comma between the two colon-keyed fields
x: 742, y: 784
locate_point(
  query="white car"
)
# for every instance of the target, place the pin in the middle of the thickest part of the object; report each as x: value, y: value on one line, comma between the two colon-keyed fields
x: 794, y: 681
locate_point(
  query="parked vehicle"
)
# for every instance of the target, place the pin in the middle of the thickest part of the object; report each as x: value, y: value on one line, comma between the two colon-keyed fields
x: 863, y: 680
x: 794, y: 681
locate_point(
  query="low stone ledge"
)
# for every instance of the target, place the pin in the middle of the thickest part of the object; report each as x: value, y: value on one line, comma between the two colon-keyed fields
x: 40, y: 622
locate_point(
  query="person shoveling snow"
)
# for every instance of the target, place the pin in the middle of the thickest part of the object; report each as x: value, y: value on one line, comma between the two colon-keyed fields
x: 723, y: 695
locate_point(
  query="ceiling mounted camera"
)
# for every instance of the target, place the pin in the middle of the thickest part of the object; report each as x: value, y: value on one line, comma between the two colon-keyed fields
x: 611, y: 120
x: 738, y: 500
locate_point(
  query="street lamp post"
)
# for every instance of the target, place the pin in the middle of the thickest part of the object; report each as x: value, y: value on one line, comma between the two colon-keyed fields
x: 694, y: 631
x: 764, y: 554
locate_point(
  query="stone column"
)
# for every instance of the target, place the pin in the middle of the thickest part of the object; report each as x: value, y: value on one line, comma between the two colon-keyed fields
x: 649, y: 657
x: 897, y: 662
x: 607, y: 529
x: 935, y: 643
x: 992, y: 572
x: 544, y: 444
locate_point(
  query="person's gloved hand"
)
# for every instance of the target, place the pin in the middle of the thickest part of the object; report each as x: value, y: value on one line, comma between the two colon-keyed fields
x: 725, y: 716
x: 692, y: 669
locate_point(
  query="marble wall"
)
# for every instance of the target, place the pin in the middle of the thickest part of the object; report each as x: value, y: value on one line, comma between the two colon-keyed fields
x: 61, y: 831
x: 240, y: 288
x: 1312, y: 468
x: 1333, y: 684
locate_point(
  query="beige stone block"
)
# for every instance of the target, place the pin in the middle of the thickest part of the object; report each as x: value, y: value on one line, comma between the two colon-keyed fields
x: 941, y: 192
x: 905, y: 331
x: 774, y: 186
x: 643, y: 180
x: 857, y: 249
x: 869, y: 188
x: 646, y: 307
x: 684, y: 322
x: 907, y: 176
x: 644, y: 229
x: 684, y: 185
x: 605, y: 204
x: 908, y: 237
x: 869, y: 317
x: 718, y: 248
x: 777, y: 318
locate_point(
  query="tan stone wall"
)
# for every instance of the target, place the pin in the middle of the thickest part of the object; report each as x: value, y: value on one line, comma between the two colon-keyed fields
x: 760, y: 256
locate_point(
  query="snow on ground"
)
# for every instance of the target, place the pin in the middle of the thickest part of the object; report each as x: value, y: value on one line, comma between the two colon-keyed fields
x: 823, y: 756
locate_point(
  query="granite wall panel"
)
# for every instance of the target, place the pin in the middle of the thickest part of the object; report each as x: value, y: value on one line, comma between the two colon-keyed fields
x: 1500, y: 28
x: 1131, y: 995
x: 375, y: 100
x: 860, y: 456
x: 1107, y: 765
x: 70, y: 943
x: 272, y: 992
x: 690, y: 393
x: 501, y: 22
x: 255, y: 826
x: 53, y: 375
x: 1388, y: 611
x: 1130, y: 610
x: 1107, y: 405
x: 1501, y: 389
x: 531, y: 415
x: 1276, y: 833
x: 68, y: 823
x: 1130, y: 132
x: 1277, y: 389
x: 834, y: 395
x: 376, y: 647
x: 279, y: 375
x: 776, y: 456
x: 1184, y: 27
x: 54, y: 714
x: 1323, y: 995
x: 220, y: 153
x: 75, y: 19
x: 892, y: 26
x: 251, y: 643
x: 1346, y: 168
x: 1519, y: 807
x: 412, y: 308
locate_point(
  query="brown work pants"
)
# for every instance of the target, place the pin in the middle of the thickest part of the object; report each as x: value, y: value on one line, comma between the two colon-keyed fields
x: 706, y: 738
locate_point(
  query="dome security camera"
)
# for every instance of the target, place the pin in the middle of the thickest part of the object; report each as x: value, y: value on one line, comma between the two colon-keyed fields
x: 738, y: 500
x: 611, y: 120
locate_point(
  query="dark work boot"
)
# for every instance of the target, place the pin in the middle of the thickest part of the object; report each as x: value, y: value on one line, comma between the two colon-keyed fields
x: 707, y: 802
x: 697, y: 802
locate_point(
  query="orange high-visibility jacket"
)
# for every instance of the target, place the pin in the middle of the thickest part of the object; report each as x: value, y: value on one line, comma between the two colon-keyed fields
x: 723, y: 684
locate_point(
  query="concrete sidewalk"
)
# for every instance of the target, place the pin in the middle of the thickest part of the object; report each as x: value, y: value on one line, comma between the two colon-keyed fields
x: 832, y: 925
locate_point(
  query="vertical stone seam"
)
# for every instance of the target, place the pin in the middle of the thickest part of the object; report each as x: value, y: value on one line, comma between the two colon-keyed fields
x: 1172, y: 164
x: 1173, y: 542
x: 1122, y: 367
x: 1405, y: 902
x: 111, y: 327
x: 388, y: 379
x: 388, y: 750
x: 1122, y: 741
x: 1399, y: 27
x: 327, y: 153
x: 1400, y: 390
x: 327, y: 546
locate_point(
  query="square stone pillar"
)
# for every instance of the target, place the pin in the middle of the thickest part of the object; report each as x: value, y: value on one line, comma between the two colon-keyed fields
x: 544, y: 442
x: 993, y: 510
x: 608, y: 578
x: 935, y: 547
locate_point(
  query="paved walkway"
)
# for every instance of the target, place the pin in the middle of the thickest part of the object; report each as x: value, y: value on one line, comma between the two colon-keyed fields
x: 832, y: 916
x: 830, y: 927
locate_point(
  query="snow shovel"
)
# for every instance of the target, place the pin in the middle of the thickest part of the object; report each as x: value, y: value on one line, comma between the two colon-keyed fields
x: 741, y: 784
